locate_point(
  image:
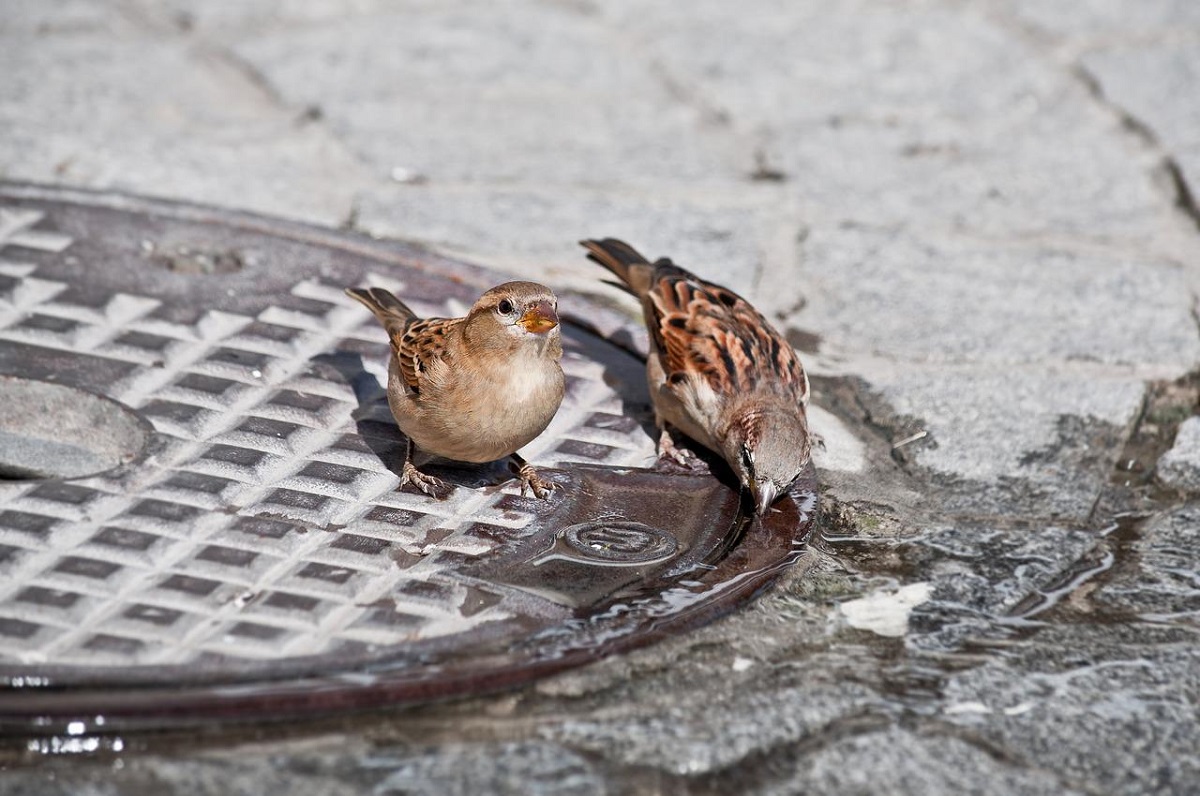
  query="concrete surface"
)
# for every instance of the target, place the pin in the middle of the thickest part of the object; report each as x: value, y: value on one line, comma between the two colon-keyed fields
x: 978, y: 221
x: 1180, y: 466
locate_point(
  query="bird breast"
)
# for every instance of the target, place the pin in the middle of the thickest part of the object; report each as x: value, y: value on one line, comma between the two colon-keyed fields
x: 481, y: 414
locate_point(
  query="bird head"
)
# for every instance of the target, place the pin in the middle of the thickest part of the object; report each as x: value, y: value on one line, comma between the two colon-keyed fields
x: 768, y: 448
x: 525, y: 312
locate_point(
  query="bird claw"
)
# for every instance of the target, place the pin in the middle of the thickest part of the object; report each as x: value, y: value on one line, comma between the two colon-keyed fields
x: 667, y: 449
x: 434, y: 487
x: 530, y: 480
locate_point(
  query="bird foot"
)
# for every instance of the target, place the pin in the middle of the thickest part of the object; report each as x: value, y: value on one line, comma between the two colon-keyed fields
x: 530, y: 480
x: 667, y: 449
x: 434, y: 487
x: 816, y: 440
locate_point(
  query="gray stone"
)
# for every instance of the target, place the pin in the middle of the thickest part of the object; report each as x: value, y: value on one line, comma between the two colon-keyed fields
x: 918, y: 298
x: 1040, y: 443
x: 1188, y: 161
x: 898, y: 761
x: 1002, y: 185
x: 1155, y: 578
x: 1113, y: 706
x: 522, y: 230
x: 941, y: 118
x: 1179, y: 468
x: 146, y: 115
x: 1147, y: 80
x: 33, y: 18
x: 982, y: 575
x: 476, y: 95
x: 905, y: 60
x: 234, y: 775
x: 1103, y: 19
x: 710, y: 731
x: 511, y: 769
x: 234, y: 18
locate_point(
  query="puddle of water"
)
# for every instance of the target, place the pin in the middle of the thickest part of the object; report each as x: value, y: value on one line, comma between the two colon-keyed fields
x: 911, y: 679
x: 1047, y: 605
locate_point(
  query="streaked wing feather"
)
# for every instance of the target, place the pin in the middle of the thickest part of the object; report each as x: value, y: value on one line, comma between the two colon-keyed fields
x: 708, y: 330
x: 422, y: 343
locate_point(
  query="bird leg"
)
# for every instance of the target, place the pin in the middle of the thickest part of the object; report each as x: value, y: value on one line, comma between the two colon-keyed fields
x: 434, y: 487
x: 667, y: 449
x: 530, y: 480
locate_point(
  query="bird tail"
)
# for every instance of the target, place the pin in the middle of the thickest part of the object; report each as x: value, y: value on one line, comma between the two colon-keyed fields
x: 393, y: 313
x: 630, y: 267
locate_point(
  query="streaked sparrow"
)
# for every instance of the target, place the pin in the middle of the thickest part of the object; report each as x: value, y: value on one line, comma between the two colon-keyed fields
x: 718, y: 372
x: 477, y: 388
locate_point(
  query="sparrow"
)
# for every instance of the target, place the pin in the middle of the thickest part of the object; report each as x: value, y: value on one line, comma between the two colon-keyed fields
x: 718, y: 372
x: 476, y: 388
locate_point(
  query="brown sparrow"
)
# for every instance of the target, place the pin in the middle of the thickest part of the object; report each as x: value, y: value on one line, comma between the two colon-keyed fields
x: 473, y: 389
x: 718, y: 372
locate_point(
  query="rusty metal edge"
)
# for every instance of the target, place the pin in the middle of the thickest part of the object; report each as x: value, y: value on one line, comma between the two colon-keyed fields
x: 48, y: 710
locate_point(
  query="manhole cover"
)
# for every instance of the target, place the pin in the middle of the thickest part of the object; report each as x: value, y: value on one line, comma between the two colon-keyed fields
x: 199, y: 514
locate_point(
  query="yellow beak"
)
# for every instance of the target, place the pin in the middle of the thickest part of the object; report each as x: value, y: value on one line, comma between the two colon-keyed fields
x: 539, y: 318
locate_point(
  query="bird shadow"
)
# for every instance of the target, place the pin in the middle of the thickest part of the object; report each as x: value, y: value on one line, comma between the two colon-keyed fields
x: 624, y: 371
x: 625, y: 374
x: 377, y: 429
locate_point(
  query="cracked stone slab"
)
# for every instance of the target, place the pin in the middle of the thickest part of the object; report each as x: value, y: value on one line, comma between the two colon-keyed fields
x: 1179, y: 468
x: 1130, y: 691
x: 1148, y: 80
x: 415, y: 89
x: 980, y: 576
x: 1015, y: 182
x: 501, y: 769
x: 949, y: 300
x: 1106, y: 18
x: 1024, y: 441
x: 26, y: 18
x: 908, y: 61
x: 149, y: 115
x: 1157, y: 579
x: 843, y: 450
x: 943, y: 118
x: 703, y: 732
x: 224, y: 18
x: 915, y: 762
x: 727, y: 238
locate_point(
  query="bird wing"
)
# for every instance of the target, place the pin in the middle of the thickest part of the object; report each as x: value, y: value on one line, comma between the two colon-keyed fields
x: 420, y: 346
x: 705, y: 330
x: 417, y: 343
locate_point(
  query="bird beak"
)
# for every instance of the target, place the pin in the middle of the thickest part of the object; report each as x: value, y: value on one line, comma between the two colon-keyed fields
x: 764, y: 492
x: 539, y: 318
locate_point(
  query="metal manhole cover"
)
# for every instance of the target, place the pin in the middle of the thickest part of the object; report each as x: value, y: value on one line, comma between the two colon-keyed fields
x: 199, y: 514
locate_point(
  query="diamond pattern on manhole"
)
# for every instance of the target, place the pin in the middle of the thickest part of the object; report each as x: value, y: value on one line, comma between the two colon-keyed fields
x: 260, y: 539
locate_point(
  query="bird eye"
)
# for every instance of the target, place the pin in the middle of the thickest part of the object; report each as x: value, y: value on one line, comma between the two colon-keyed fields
x: 505, y: 306
x: 748, y: 458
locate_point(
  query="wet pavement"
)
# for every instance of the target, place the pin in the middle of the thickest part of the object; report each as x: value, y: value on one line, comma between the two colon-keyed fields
x: 975, y: 218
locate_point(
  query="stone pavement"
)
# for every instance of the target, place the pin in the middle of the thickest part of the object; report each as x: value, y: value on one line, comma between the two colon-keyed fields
x: 978, y: 221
